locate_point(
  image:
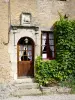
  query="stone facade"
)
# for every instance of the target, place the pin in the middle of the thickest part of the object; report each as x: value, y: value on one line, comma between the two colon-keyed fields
x: 44, y: 13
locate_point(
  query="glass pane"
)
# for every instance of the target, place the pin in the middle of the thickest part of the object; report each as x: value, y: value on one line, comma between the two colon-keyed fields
x: 25, y: 47
x: 51, y: 42
x: 52, y: 48
x: 21, y: 53
x: 44, y: 36
x: 30, y: 57
x: 21, y: 47
x: 51, y: 36
x: 44, y: 49
x: 43, y: 42
x: 53, y: 54
x: 29, y: 47
x: 29, y: 53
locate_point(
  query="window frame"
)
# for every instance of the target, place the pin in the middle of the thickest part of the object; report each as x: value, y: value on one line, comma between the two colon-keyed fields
x: 48, y: 32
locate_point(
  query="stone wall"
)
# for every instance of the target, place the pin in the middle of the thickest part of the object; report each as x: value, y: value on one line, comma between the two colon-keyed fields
x: 71, y: 9
x: 44, y: 14
x: 5, y: 69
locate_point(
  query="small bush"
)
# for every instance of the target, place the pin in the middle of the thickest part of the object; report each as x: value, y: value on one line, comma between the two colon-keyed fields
x: 46, y: 72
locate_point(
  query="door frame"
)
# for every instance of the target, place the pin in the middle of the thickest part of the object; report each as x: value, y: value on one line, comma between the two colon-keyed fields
x: 33, y: 52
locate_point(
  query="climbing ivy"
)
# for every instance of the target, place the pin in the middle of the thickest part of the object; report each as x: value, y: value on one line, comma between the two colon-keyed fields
x: 63, y: 66
x: 65, y: 46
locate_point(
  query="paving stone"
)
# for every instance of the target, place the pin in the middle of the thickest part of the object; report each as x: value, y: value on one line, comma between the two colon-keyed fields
x: 26, y: 92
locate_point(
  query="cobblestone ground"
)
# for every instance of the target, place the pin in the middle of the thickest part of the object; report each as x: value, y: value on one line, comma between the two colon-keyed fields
x: 49, y: 97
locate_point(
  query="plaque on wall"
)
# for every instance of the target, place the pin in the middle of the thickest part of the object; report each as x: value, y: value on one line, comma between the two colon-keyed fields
x: 25, y: 19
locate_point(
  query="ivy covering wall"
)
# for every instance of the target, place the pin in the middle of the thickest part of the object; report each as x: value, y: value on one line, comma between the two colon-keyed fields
x: 63, y: 66
x: 65, y: 46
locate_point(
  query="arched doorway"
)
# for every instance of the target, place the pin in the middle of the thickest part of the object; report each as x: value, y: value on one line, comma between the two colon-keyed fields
x: 25, y: 57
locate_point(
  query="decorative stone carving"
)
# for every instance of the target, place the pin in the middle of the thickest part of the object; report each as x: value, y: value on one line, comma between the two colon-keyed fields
x: 25, y: 19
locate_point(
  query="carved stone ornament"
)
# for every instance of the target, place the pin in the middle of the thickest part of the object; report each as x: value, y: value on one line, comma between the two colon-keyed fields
x: 25, y: 19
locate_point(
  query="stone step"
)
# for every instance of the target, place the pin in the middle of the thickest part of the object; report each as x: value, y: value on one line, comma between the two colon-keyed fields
x: 26, y: 92
x: 26, y: 85
x: 24, y: 80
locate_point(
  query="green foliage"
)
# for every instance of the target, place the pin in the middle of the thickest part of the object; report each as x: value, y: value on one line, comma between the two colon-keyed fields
x: 65, y: 46
x: 63, y: 66
x: 46, y: 71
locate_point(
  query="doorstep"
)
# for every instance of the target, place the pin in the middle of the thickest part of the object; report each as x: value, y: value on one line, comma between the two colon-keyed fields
x: 24, y: 79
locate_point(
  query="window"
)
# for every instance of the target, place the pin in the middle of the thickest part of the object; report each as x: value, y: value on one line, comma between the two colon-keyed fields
x: 47, y: 45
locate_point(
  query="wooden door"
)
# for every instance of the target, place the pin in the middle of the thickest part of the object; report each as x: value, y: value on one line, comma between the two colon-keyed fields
x: 25, y: 55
